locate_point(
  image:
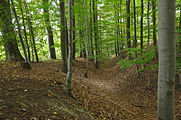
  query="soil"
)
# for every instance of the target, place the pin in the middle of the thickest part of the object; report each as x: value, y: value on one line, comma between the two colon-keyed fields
x: 109, y: 93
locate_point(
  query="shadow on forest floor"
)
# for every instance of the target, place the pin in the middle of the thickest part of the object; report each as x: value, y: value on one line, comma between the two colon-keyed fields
x: 107, y: 93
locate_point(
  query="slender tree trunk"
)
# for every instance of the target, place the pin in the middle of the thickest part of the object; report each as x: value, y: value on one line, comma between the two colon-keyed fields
x: 95, y: 32
x: 8, y: 33
x: 154, y: 22
x: 87, y: 41
x: 91, y: 42
x: 141, y: 27
x: 128, y: 23
x: 179, y: 35
x: 167, y: 58
x: 73, y: 34
x: 148, y: 38
x: 31, y: 30
x: 25, y: 33
x: 63, y: 37
x: 19, y: 32
x: 51, y: 49
x: 69, y: 73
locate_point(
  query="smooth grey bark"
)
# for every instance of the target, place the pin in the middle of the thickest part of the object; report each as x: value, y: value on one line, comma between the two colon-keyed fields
x: 95, y: 31
x: 87, y: 42
x: 19, y: 33
x: 49, y: 30
x: 167, y: 58
x: 8, y: 33
x: 63, y: 37
x: 69, y: 72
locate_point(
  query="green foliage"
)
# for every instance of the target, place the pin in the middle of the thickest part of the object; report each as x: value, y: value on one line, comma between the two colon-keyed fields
x: 143, y: 59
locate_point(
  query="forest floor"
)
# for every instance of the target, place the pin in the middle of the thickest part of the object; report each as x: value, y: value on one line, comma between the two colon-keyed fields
x: 109, y: 93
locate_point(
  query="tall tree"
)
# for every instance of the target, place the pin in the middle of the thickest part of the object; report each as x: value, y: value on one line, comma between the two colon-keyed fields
x: 95, y: 31
x: 19, y: 33
x: 69, y: 72
x: 64, y: 37
x: 8, y: 33
x: 91, y: 42
x: 167, y: 58
x: 24, y: 29
x: 128, y: 23
x: 30, y: 27
x: 51, y: 48
x: 87, y: 40
x: 141, y: 25
x: 154, y: 22
x: 74, y: 47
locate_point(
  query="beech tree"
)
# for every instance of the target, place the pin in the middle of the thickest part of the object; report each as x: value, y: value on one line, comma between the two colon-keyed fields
x: 167, y: 58
x: 8, y: 33
x: 70, y: 44
x: 51, y: 48
x: 64, y: 37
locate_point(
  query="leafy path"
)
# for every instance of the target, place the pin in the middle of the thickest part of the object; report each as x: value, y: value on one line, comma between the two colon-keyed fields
x: 107, y: 93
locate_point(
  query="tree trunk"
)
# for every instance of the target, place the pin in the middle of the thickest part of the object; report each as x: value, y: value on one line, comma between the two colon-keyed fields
x: 154, y: 22
x: 19, y: 33
x: 69, y: 73
x: 51, y: 49
x: 91, y: 42
x: 73, y: 34
x: 25, y: 33
x: 87, y: 41
x: 28, y: 15
x: 128, y: 23
x: 141, y: 26
x: 167, y: 58
x: 95, y: 32
x: 8, y: 33
x: 63, y: 37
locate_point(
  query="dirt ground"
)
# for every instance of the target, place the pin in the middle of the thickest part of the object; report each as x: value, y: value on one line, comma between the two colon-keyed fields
x: 108, y: 93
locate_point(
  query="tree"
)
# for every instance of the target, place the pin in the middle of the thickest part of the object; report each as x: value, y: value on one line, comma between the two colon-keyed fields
x: 141, y: 25
x: 30, y: 27
x: 128, y: 23
x: 87, y: 41
x: 19, y: 33
x: 24, y: 29
x: 64, y: 37
x: 51, y: 48
x: 167, y: 58
x: 69, y: 72
x: 8, y: 33
x: 95, y: 31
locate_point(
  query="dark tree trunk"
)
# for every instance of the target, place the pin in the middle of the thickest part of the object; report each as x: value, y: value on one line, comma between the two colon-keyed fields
x: 63, y: 37
x: 8, y: 33
x: 19, y: 33
x: 154, y: 22
x: 52, y: 53
x: 128, y: 23
x: 25, y: 33
x: 31, y: 30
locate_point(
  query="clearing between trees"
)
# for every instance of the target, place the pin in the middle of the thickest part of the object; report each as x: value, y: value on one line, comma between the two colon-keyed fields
x: 108, y: 93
